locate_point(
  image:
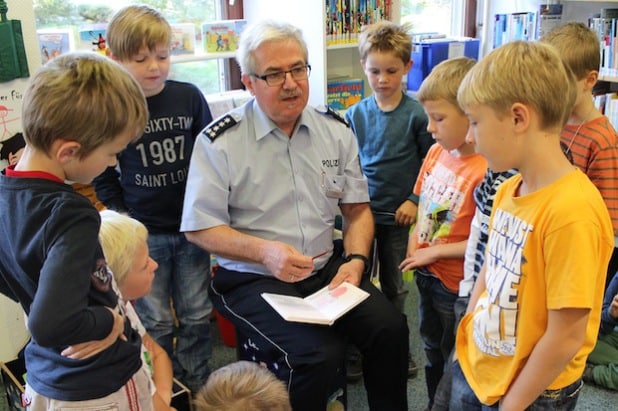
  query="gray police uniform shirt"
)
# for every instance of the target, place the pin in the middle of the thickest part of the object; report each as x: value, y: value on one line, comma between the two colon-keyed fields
x: 247, y: 174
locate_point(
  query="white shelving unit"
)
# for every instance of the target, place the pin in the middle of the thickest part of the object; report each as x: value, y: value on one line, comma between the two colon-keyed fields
x: 187, y: 58
x: 309, y: 15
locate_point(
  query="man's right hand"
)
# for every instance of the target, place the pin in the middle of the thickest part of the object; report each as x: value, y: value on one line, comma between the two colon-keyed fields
x: 88, y: 349
x: 286, y: 263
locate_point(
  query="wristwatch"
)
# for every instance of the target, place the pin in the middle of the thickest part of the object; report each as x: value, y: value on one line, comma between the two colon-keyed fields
x: 361, y: 257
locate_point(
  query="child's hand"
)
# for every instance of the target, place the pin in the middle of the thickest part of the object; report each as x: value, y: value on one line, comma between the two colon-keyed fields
x: 406, y: 213
x: 420, y: 258
x: 88, y: 349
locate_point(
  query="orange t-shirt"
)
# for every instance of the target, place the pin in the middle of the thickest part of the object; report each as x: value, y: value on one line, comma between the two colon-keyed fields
x: 445, y: 186
x: 594, y: 149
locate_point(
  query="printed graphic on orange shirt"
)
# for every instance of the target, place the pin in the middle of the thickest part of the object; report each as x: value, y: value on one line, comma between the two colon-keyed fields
x: 495, y: 320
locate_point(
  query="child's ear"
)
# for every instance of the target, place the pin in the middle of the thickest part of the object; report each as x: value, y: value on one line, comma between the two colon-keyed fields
x: 521, y: 116
x: 591, y: 79
x: 407, y: 67
x: 114, y: 57
x: 68, y: 151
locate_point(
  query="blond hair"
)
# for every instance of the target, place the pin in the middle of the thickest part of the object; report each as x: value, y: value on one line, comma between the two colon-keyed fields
x: 578, y: 46
x: 82, y: 97
x: 133, y: 27
x: 119, y: 236
x: 443, y: 81
x: 530, y: 73
x: 385, y: 36
x: 243, y: 386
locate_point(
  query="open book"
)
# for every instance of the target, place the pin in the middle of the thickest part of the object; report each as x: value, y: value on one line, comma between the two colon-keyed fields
x: 321, y: 307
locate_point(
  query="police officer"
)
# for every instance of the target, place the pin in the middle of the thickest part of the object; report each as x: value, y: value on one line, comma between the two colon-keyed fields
x: 265, y: 184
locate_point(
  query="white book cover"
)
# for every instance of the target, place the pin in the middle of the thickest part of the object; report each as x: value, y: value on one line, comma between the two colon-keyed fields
x: 322, y: 307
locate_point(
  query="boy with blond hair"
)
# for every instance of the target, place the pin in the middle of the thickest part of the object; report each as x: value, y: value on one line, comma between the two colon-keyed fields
x: 243, y: 385
x: 149, y: 184
x: 391, y: 130
x: 79, y: 111
x: 534, y: 312
x: 588, y: 136
x: 124, y: 243
x: 445, y: 187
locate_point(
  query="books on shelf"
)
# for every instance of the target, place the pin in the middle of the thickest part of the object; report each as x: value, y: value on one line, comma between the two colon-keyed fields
x: 344, y: 18
x: 342, y: 93
x: 222, y: 36
x: 604, y: 24
x: 322, y: 307
x: 53, y: 43
x: 514, y: 26
x: 183, y: 39
x: 550, y: 16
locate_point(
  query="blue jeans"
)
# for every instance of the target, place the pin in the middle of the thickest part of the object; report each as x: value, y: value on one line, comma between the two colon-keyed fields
x: 392, y: 244
x: 464, y: 399
x: 437, y: 322
x: 182, y: 279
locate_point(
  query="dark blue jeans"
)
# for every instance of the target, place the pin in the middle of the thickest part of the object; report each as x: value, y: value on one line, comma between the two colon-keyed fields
x: 392, y: 243
x: 437, y: 326
x: 183, y: 277
x: 464, y: 399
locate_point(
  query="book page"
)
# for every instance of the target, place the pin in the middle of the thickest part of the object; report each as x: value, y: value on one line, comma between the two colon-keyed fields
x: 334, y: 303
x: 294, y: 308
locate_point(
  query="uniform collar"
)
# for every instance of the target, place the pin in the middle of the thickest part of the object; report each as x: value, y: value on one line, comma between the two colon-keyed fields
x: 264, y: 125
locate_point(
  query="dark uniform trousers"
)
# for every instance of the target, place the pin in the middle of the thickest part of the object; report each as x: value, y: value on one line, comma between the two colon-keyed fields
x: 307, y: 357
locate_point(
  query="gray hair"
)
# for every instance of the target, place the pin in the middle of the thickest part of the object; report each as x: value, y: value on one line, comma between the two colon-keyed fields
x: 253, y: 36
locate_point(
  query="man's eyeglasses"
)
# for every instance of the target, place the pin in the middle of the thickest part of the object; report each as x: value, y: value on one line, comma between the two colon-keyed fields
x: 278, y: 78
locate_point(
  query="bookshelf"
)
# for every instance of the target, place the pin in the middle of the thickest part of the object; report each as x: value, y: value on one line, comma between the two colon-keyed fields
x: 326, y: 60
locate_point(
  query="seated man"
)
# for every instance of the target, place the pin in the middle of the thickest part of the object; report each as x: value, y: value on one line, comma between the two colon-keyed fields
x: 264, y: 186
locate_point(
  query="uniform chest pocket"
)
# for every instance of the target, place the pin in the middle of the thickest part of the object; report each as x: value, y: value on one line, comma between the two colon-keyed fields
x: 333, y: 185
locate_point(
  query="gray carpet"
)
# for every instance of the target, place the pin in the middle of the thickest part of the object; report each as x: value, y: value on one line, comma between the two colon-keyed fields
x: 591, y: 398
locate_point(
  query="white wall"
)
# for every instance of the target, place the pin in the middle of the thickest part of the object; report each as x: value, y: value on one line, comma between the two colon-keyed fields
x: 13, y: 333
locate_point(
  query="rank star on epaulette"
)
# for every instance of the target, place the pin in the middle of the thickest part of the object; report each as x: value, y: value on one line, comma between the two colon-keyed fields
x: 328, y: 111
x: 217, y: 127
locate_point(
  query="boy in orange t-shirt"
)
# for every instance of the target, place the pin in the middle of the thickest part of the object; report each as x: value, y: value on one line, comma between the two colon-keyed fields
x: 445, y: 186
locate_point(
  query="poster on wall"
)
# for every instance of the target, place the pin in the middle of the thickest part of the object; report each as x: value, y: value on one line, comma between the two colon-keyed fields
x: 53, y: 43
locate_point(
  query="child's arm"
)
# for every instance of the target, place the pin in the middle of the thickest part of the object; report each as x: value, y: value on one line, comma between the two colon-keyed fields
x: 429, y: 255
x: 162, y: 373
x: 477, y: 290
x: 563, y: 337
x: 90, y: 348
x: 406, y: 213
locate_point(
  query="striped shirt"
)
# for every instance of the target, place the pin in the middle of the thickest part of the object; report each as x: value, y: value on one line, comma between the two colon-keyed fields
x: 594, y: 149
x: 479, y: 228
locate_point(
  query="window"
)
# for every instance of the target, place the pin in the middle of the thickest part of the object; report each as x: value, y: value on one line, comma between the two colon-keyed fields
x: 78, y: 17
x: 441, y: 16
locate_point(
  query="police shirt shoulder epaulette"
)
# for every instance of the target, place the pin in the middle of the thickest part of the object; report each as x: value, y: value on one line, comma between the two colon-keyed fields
x: 328, y: 111
x: 218, y: 127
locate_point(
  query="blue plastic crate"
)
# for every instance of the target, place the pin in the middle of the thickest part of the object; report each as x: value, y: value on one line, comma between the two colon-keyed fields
x: 427, y: 53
